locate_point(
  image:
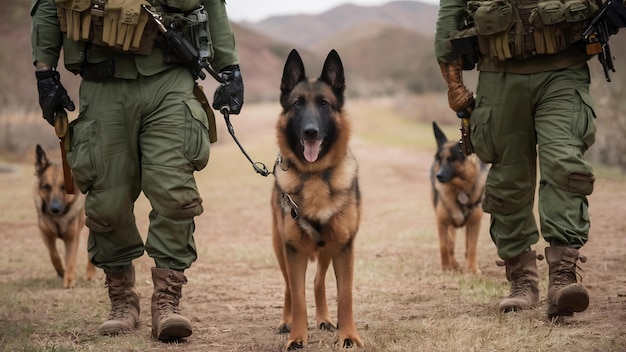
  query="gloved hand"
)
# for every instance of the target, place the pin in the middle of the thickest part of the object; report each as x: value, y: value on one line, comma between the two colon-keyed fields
x: 230, y: 94
x: 460, y: 98
x: 52, y: 94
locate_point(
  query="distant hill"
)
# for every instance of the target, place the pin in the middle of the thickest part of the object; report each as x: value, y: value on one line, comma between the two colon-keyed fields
x: 310, y: 30
x: 385, y: 49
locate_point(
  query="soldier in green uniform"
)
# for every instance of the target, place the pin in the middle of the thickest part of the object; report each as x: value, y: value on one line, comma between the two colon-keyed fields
x: 140, y: 129
x: 532, y: 112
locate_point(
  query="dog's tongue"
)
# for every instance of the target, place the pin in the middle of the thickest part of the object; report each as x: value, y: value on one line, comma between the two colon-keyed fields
x: 312, y: 149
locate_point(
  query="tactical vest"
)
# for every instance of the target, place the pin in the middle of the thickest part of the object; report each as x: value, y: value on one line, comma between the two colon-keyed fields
x: 524, y: 28
x: 122, y: 25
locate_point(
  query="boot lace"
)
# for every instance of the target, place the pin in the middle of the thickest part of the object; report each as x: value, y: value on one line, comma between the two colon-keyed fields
x: 568, y: 271
x: 169, y: 299
x: 120, y: 302
x: 521, y: 283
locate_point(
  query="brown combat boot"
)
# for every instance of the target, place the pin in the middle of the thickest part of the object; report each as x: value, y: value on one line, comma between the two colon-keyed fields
x: 124, y: 303
x: 521, y: 271
x: 565, y: 294
x: 167, y: 323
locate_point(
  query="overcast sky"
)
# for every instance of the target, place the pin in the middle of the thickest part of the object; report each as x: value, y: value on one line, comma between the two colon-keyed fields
x: 255, y: 10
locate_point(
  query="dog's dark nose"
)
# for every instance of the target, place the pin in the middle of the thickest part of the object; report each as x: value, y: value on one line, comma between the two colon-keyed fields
x: 310, y: 130
x: 444, y: 175
x: 56, y: 206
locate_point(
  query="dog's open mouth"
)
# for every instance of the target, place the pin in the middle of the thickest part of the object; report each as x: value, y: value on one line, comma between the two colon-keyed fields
x: 312, y: 149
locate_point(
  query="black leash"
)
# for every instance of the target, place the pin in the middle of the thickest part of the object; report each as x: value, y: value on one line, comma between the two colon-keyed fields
x: 258, y: 166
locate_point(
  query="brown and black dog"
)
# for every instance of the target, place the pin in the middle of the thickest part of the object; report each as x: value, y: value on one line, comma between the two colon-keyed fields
x: 458, y: 187
x: 60, y: 216
x: 316, y: 202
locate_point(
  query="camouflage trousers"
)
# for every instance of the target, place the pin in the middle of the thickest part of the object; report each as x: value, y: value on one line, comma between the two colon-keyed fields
x: 144, y: 135
x: 529, y: 126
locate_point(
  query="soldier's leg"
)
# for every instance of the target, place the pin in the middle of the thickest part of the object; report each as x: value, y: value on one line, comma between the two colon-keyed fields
x: 503, y: 134
x: 565, y: 123
x: 174, y: 144
x: 104, y: 164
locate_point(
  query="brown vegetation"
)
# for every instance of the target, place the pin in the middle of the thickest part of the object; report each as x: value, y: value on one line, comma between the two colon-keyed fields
x: 402, y: 301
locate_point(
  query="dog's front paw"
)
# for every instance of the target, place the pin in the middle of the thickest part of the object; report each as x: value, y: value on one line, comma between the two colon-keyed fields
x: 284, y: 328
x: 293, y: 345
x: 325, y: 325
x: 351, y: 341
x: 68, y: 282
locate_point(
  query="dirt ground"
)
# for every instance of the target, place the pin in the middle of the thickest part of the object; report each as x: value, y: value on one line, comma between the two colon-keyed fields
x: 402, y: 301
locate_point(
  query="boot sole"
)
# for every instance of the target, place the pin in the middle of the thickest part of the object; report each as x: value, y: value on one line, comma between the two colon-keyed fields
x: 114, y: 331
x: 572, y: 300
x: 173, y: 333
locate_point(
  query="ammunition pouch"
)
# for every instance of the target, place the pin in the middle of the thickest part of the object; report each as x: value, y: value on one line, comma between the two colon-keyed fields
x: 121, y: 25
x: 519, y: 29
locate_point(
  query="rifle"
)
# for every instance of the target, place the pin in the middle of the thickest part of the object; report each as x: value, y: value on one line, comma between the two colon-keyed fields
x: 608, y: 20
x: 186, y: 54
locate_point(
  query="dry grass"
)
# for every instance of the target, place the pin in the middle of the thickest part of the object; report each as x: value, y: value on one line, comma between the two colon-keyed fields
x: 234, y: 295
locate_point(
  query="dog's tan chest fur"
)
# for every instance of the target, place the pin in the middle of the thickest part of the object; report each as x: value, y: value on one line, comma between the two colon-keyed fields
x: 319, y: 195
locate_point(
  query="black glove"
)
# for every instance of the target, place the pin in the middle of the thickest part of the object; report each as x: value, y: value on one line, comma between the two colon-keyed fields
x: 52, y: 95
x: 229, y: 94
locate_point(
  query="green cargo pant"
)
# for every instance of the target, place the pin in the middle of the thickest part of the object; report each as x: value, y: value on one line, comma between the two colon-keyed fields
x: 519, y: 117
x: 150, y: 135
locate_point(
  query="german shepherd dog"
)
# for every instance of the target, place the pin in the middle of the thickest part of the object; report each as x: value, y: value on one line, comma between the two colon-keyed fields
x: 458, y: 187
x: 60, y: 216
x: 316, y: 202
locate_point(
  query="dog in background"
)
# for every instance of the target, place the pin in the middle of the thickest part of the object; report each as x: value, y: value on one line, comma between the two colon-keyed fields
x: 60, y: 216
x: 458, y: 187
x: 316, y: 202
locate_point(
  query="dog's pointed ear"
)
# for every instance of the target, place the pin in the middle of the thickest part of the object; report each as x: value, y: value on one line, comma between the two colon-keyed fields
x: 440, y: 137
x: 293, y: 73
x: 332, y: 73
x: 42, y: 161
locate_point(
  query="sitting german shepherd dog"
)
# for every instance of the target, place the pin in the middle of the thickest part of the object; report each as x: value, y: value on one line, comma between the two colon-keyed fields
x: 458, y: 187
x: 61, y: 216
x: 316, y: 203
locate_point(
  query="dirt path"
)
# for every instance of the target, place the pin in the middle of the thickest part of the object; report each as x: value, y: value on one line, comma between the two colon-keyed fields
x: 234, y: 295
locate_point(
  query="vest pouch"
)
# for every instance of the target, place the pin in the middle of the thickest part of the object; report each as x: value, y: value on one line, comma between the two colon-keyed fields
x: 74, y: 19
x: 183, y: 5
x: 493, y: 21
x: 551, y: 12
x: 491, y: 17
x: 123, y: 26
x: 579, y: 10
x: 62, y: 10
x: 548, y: 34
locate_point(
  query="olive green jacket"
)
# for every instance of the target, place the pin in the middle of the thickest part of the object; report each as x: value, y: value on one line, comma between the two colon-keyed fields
x: 47, y: 41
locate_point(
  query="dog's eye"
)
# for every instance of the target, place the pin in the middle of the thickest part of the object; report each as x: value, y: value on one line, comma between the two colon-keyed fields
x: 299, y: 101
x: 46, y: 187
